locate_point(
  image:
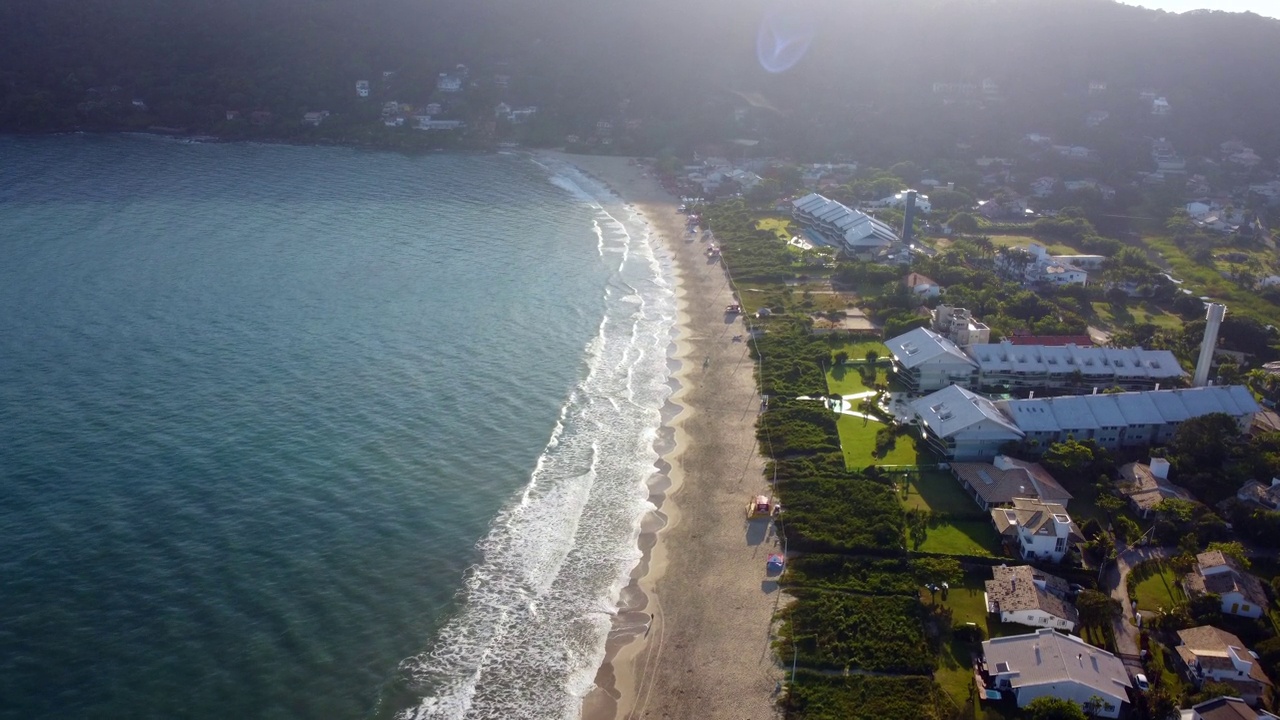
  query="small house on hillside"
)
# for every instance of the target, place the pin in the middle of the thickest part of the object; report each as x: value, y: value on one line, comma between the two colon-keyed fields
x: 1215, y: 573
x: 922, y: 285
x: 1028, y: 596
x: 1225, y: 708
x: 1267, y: 496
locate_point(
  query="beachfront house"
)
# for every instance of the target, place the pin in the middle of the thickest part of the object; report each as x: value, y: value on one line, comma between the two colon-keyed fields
x: 924, y: 361
x: 1215, y: 573
x: 1037, y: 530
x: 1047, y: 663
x: 961, y: 425
x: 997, y: 483
x: 1027, y: 596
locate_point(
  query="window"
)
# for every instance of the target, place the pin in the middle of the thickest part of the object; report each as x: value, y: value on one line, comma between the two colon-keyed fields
x: 1061, y: 545
x: 1244, y: 608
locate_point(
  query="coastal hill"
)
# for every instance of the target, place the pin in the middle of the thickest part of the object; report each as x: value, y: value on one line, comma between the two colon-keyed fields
x: 899, y: 80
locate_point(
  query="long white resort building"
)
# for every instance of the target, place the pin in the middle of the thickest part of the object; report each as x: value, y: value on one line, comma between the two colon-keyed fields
x: 962, y: 425
x: 925, y: 361
x: 852, y: 230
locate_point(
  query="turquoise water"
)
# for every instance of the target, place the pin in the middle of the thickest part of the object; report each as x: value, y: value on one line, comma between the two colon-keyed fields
x: 315, y: 433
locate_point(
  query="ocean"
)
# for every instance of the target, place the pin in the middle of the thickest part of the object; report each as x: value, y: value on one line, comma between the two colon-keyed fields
x: 294, y: 432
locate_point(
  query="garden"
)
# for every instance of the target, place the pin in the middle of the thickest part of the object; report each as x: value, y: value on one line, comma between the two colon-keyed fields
x: 1154, y: 585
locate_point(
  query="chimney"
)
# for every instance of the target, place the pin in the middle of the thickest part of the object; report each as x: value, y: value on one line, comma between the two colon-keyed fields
x: 907, y: 232
x: 1031, y: 395
x: 1213, y: 320
x: 1160, y: 468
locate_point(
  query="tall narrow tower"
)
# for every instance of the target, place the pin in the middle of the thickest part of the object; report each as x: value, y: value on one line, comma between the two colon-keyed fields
x: 1213, y: 321
x: 908, y: 218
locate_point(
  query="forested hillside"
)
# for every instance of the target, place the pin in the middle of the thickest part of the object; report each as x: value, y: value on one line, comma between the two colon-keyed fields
x: 812, y: 77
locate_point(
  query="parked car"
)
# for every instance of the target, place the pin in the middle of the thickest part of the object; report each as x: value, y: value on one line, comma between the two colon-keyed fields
x: 1140, y: 682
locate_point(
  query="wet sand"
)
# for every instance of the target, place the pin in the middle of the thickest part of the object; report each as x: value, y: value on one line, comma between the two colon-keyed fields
x: 692, y: 638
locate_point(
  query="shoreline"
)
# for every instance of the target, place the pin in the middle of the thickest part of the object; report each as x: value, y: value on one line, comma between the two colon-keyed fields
x: 693, y: 630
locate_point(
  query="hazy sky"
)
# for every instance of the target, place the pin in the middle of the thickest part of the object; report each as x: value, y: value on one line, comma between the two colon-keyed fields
x: 1270, y: 8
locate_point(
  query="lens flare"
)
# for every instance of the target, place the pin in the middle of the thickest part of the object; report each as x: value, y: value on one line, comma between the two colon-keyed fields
x: 783, y: 39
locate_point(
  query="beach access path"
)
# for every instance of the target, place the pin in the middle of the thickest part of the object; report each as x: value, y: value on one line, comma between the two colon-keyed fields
x: 707, y: 652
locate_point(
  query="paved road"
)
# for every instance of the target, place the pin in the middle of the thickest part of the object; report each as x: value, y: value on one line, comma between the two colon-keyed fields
x: 1113, y: 582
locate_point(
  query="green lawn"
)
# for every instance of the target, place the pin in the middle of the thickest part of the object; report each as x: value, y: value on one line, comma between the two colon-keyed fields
x: 936, y: 491
x: 779, y: 225
x: 1159, y: 589
x: 858, y: 350
x: 1135, y: 313
x: 1207, y: 281
x: 962, y: 537
x: 858, y: 441
x: 847, y: 379
x: 955, y: 673
x: 1021, y: 241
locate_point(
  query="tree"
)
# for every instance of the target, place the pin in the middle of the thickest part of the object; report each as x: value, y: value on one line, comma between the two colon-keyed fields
x: 1097, y: 609
x: 1128, y: 529
x: 1052, y: 708
x: 1233, y: 550
x: 1161, y: 704
x: 1210, y: 690
x: 872, y: 357
x: 935, y: 571
x: 841, y: 357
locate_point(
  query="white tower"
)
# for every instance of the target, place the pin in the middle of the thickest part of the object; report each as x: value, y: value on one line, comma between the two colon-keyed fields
x: 1213, y: 321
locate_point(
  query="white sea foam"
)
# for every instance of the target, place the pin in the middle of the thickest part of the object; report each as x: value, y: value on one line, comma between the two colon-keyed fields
x: 536, y: 611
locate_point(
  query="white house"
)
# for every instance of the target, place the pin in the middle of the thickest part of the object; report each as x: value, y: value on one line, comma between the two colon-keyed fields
x: 1043, y: 187
x: 923, y: 286
x: 449, y: 83
x: 899, y: 201
x: 1212, y: 655
x: 1027, y: 596
x: 960, y: 425
x: 1048, y: 663
x: 1197, y: 209
x: 362, y: 88
x: 925, y: 361
x: 1225, y: 708
x: 959, y: 326
x: 1241, y: 593
x: 1039, y: 530
x: 315, y: 118
x: 1160, y: 106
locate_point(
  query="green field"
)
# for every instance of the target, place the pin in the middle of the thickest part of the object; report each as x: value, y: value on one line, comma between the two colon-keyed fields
x: 779, y: 225
x: 1021, y: 241
x: 962, y: 537
x: 1207, y: 281
x: 936, y: 491
x: 1158, y: 590
x: 1110, y: 317
x: 847, y: 379
x: 858, y: 441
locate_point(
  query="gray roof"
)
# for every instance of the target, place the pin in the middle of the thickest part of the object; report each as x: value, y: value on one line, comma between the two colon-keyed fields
x: 856, y: 228
x: 1036, y: 517
x: 1046, y: 657
x: 1152, y: 407
x: 1090, y: 361
x: 1011, y: 589
x: 1021, y: 479
x: 921, y: 345
x: 953, y: 409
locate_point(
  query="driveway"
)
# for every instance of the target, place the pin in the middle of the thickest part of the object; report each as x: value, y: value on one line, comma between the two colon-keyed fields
x: 1113, y: 583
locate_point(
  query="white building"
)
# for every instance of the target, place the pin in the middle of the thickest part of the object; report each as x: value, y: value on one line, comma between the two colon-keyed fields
x: 1048, y: 663
x: 362, y: 88
x: 1038, y: 530
x: 925, y: 361
x: 1215, y: 573
x: 315, y: 118
x: 1027, y: 596
x: 450, y: 83
x: 1147, y: 486
x: 1212, y: 655
x: 854, y: 231
x: 1160, y: 106
x: 899, y: 201
x: 960, y: 425
x: 960, y: 326
x: 923, y: 286
x: 1042, y: 268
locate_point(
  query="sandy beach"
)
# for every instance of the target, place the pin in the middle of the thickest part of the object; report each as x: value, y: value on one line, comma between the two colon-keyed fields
x: 706, y: 652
